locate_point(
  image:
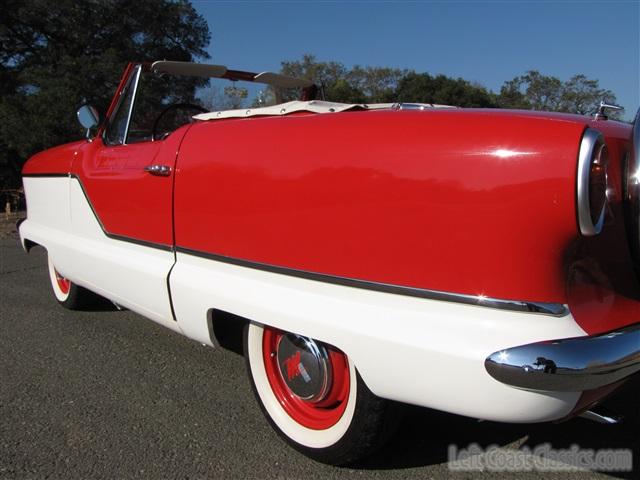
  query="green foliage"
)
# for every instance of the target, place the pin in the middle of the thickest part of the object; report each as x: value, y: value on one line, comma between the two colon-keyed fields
x: 423, y: 88
x: 583, y: 96
x: 383, y: 85
x: 534, y: 91
x: 236, y: 95
x: 531, y: 91
x: 378, y: 84
x: 322, y: 73
x: 358, y: 85
x: 56, y: 55
x: 343, y: 91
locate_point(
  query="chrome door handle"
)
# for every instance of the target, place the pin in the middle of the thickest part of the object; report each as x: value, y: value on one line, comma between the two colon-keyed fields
x: 158, y: 170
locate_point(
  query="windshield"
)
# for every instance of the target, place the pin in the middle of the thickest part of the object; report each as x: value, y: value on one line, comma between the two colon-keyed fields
x: 160, y: 98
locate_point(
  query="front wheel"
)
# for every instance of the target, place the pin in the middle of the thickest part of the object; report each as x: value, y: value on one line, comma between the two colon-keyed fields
x: 313, y: 396
x: 68, y: 294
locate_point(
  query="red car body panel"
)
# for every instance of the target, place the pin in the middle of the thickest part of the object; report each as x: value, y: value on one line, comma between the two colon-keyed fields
x: 56, y: 160
x: 471, y: 202
x: 129, y: 201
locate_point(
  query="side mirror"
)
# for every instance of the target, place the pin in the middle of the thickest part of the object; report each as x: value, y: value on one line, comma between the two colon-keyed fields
x: 88, y: 117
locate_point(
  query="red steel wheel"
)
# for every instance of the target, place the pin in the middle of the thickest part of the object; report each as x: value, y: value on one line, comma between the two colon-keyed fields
x: 310, y: 380
x: 61, y: 286
x: 313, y: 396
x: 63, y: 283
x: 68, y: 294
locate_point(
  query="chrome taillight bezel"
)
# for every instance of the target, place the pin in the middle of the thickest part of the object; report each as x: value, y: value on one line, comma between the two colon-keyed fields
x: 590, y: 146
x: 632, y: 190
x: 635, y: 138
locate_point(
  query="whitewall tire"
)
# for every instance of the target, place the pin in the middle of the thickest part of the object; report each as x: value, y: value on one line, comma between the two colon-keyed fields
x: 67, y: 293
x: 60, y: 285
x: 313, y: 396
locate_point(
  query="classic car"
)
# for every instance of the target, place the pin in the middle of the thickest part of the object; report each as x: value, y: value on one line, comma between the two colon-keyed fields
x: 474, y: 261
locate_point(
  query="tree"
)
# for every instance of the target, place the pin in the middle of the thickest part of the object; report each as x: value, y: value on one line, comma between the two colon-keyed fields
x: 424, y: 88
x: 378, y: 84
x: 330, y: 76
x: 386, y: 85
x: 321, y: 73
x: 583, y: 96
x: 216, y: 97
x: 343, y: 91
x: 534, y: 91
x: 56, y: 55
x: 358, y: 85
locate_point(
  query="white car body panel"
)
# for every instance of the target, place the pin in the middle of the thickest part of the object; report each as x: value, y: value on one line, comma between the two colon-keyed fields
x: 61, y: 220
x: 418, y: 351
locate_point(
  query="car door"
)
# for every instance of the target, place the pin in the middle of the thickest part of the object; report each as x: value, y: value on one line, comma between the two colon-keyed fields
x: 121, y: 190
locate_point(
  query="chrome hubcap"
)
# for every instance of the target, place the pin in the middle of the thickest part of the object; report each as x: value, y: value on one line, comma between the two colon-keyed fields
x: 305, y: 367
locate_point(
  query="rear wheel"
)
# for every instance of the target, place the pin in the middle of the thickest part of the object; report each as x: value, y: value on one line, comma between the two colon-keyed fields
x: 68, y: 294
x: 313, y: 396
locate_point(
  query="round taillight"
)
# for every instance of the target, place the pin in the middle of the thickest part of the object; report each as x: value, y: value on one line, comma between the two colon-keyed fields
x: 592, y: 182
x: 598, y: 182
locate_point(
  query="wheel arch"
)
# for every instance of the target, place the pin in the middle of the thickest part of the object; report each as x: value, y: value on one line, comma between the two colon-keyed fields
x: 28, y: 245
x: 226, y: 329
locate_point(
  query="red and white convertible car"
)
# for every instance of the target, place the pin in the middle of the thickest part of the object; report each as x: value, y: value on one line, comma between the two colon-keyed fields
x: 480, y: 262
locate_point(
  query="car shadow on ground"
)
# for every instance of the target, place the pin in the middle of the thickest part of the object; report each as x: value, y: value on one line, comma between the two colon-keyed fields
x: 425, y: 436
x: 100, y: 304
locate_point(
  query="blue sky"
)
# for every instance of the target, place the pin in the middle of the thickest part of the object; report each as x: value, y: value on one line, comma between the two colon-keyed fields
x: 482, y: 41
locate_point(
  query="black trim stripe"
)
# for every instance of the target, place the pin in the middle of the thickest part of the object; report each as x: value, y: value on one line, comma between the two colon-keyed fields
x: 114, y: 236
x: 36, y: 175
x: 137, y: 241
x: 173, y: 311
x: 555, y: 309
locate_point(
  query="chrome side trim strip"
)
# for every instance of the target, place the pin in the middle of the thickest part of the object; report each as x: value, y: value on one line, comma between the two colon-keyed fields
x: 590, y: 140
x: 569, y: 365
x: 553, y: 309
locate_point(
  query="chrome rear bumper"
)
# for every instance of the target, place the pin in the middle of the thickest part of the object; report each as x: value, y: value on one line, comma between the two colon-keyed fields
x: 571, y: 364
